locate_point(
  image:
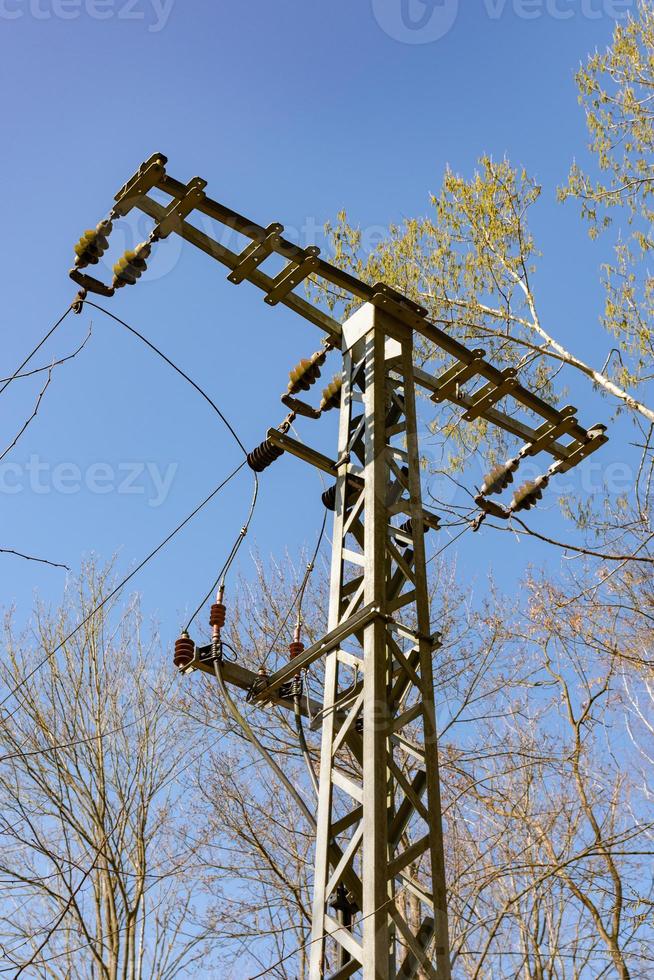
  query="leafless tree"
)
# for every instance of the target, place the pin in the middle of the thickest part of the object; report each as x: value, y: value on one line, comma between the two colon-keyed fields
x: 98, y: 879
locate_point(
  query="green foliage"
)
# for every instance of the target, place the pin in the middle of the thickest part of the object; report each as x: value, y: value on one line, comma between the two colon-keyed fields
x: 617, y: 91
x: 469, y: 262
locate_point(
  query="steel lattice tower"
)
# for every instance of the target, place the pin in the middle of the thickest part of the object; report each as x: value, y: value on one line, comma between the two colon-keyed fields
x: 379, y: 840
x: 378, y: 570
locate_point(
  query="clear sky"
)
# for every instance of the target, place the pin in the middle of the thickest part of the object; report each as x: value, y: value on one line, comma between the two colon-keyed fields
x: 291, y: 110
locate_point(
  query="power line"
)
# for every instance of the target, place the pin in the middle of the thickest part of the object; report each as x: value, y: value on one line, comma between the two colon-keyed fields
x: 299, y: 595
x: 232, y: 555
x: 121, y: 584
x: 449, y: 543
x: 174, y: 366
x: 242, y: 533
x: 29, y: 357
x: 169, y: 537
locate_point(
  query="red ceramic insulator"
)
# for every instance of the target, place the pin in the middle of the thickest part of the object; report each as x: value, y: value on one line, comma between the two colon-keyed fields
x: 217, y: 615
x: 184, y: 651
x: 296, y: 648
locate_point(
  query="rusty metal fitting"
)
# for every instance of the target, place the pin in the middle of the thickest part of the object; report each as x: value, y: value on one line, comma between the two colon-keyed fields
x: 78, y: 303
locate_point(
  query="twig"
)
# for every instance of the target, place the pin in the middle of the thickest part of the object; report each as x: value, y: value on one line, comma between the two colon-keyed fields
x: 31, y: 418
x: 43, y: 561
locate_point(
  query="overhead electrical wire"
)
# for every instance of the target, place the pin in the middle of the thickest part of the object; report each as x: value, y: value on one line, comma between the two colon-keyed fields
x: 243, y: 724
x: 121, y: 585
x: 175, y: 367
x: 299, y: 595
x: 186, y: 520
x: 297, y: 710
x: 241, y: 536
x: 16, y: 374
x: 220, y: 578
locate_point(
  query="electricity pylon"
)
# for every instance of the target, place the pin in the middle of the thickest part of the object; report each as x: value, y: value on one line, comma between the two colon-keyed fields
x: 379, y: 839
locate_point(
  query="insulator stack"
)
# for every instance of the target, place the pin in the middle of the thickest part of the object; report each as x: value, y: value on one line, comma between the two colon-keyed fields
x: 331, y: 396
x: 528, y: 495
x: 264, y: 456
x: 92, y: 245
x: 217, y: 615
x: 407, y: 526
x: 328, y: 496
x: 500, y: 477
x: 306, y: 373
x: 184, y: 651
x: 297, y: 646
x: 131, y: 265
x: 295, y: 649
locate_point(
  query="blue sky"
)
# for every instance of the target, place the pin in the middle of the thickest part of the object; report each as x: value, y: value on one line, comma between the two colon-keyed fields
x: 291, y: 110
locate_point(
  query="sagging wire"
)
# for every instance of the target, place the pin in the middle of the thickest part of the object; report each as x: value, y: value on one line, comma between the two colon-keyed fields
x: 456, y: 537
x: 217, y: 621
x: 171, y: 364
x: 219, y: 581
x: 220, y: 578
x: 118, y: 588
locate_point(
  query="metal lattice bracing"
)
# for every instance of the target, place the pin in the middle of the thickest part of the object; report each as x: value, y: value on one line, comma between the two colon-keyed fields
x: 383, y: 815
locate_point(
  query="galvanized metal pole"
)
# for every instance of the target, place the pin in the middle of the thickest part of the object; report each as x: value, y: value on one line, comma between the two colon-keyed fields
x: 382, y: 817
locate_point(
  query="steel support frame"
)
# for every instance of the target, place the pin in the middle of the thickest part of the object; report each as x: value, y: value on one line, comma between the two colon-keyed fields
x: 383, y: 815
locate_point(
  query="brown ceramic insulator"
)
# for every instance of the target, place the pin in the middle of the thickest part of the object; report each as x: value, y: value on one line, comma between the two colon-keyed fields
x: 328, y: 496
x: 296, y: 648
x: 500, y: 477
x: 184, y: 651
x: 528, y: 495
x: 331, y: 396
x: 217, y: 615
x: 264, y: 456
x: 306, y: 373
